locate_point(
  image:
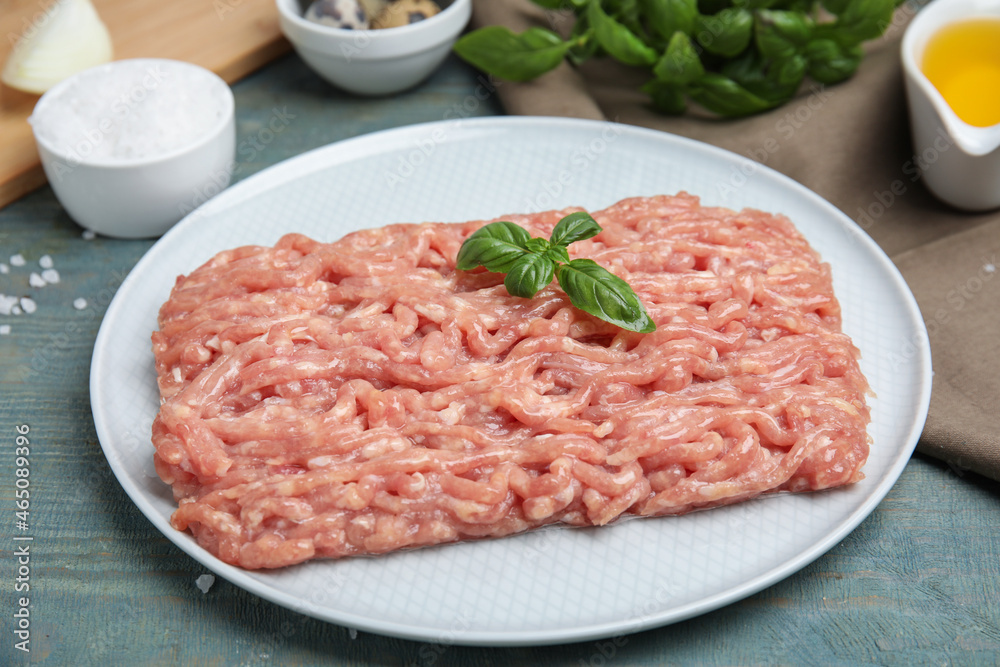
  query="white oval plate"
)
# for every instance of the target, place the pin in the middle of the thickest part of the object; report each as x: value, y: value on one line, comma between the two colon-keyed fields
x: 555, y: 585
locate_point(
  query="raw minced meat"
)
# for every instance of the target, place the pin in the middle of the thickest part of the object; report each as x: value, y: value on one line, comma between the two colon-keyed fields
x: 322, y: 400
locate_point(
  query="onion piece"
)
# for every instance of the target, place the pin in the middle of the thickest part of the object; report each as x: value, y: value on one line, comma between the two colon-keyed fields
x: 70, y: 37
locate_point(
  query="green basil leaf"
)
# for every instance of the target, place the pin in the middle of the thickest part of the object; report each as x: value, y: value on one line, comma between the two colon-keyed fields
x: 665, y: 17
x: 629, y: 14
x: 745, y: 70
x: 620, y: 42
x: 773, y: 81
x: 529, y: 274
x: 779, y: 34
x: 498, y: 51
x: 666, y: 97
x: 558, y: 253
x: 788, y: 74
x: 801, y: 6
x: 727, y: 33
x: 836, y: 6
x: 722, y: 95
x: 860, y: 21
x: 755, y: 4
x: 574, y: 227
x: 680, y: 63
x: 497, y: 246
x: 595, y: 290
x: 531, y: 263
x: 830, y: 63
x: 820, y: 50
x: 537, y: 245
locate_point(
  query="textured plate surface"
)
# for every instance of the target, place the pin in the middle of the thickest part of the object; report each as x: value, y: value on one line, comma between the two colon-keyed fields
x: 555, y: 585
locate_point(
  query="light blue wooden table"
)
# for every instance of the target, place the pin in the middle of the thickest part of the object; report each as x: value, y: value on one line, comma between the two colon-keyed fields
x: 916, y: 584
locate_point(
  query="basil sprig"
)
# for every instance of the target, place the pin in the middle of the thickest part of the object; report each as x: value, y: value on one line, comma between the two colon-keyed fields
x: 530, y: 264
x: 733, y: 57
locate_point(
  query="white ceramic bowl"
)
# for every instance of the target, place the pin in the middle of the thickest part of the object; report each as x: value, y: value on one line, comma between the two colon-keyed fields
x: 960, y: 163
x: 375, y: 62
x: 132, y: 146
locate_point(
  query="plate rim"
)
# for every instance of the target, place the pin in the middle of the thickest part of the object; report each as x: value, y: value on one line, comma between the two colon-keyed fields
x: 394, y: 139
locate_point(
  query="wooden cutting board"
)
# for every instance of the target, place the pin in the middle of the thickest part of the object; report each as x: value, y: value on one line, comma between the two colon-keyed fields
x: 229, y: 37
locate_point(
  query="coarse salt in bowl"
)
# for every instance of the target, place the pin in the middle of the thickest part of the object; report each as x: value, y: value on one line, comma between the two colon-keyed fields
x: 132, y: 146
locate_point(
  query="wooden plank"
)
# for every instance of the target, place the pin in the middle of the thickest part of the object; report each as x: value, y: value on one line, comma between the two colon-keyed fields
x: 230, y: 37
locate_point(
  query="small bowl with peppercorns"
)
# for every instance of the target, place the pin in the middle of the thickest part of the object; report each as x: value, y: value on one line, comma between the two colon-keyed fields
x: 373, y: 47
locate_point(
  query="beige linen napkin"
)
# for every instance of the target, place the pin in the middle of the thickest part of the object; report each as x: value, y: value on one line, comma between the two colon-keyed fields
x: 850, y: 143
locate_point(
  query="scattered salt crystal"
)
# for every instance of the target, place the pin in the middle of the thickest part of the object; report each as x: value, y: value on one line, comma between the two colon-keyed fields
x: 36, y: 280
x: 204, y: 582
x: 988, y: 268
x: 88, y: 235
x: 15, y: 310
x: 4, y: 329
x: 45, y: 261
x: 7, y: 304
x: 352, y: 633
x: 17, y: 260
x: 80, y: 303
x: 51, y: 276
x: 28, y: 305
x: 4, y: 268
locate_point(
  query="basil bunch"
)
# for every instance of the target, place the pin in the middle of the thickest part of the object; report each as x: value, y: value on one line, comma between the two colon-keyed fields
x: 733, y: 57
x: 531, y: 263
